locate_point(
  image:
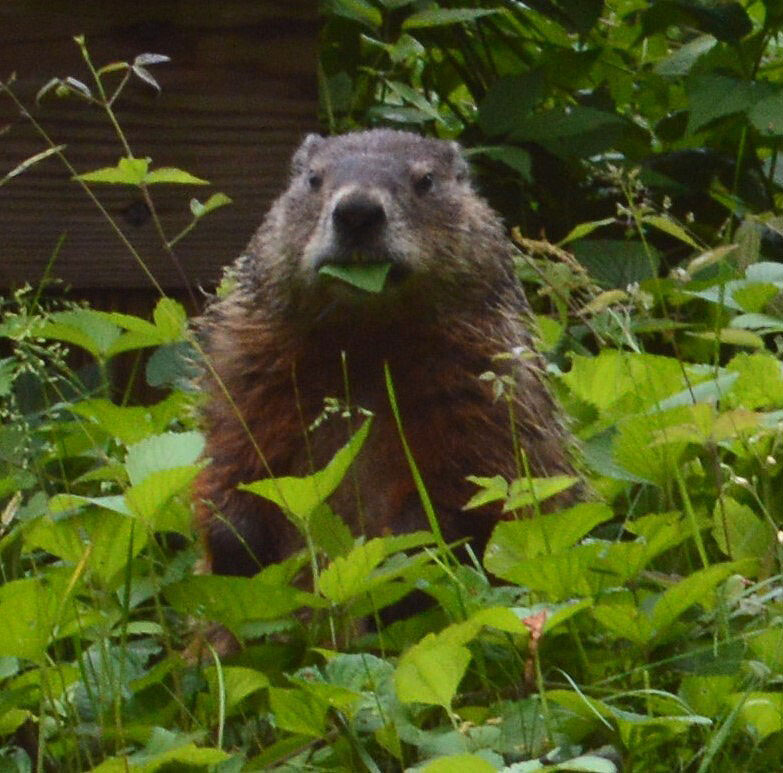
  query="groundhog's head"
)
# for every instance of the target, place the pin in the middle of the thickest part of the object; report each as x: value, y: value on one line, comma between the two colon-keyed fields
x: 382, y: 197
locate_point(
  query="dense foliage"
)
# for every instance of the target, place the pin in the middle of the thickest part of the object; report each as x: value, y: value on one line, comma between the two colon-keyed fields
x: 641, y: 629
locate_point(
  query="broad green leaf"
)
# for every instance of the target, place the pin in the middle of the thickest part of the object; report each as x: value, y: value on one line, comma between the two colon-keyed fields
x: 129, y: 424
x: 128, y: 171
x: 761, y: 712
x: 301, y: 496
x: 507, y: 102
x: 739, y: 532
x: 370, y: 277
x: 439, y: 17
x: 767, y: 646
x: 614, y: 263
x: 106, y: 535
x: 170, y: 320
x: 235, y: 600
x: 459, y: 763
x: 766, y: 271
x: 761, y: 322
x: 695, y: 588
x: 550, y: 332
x: 167, y: 174
x: 576, y: 132
x: 148, y: 498
x: 330, y: 533
x: 30, y: 609
x: 298, y: 711
x: 238, y: 683
x: 767, y: 115
x: 83, y: 327
x: 650, y: 445
x: 430, y: 672
x: 513, y: 157
x: 759, y: 383
x: 61, y: 503
x: 162, y: 452
x: 514, y: 541
x: 728, y: 22
x: 715, y: 96
x: 346, y: 576
x: 619, y: 382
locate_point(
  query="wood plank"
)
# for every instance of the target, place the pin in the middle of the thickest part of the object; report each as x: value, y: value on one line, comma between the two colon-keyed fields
x: 237, y: 97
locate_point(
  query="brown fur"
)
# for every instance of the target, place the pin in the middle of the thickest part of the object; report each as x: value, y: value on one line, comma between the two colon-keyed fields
x: 276, y: 343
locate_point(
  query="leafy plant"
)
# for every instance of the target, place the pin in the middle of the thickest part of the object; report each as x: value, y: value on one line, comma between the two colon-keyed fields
x: 641, y: 627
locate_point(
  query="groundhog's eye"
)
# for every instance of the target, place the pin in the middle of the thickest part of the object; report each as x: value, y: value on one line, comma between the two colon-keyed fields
x: 423, y: 183
x: 314, y: 181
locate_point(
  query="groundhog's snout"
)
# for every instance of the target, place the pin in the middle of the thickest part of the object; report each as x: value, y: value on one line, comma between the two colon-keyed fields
x: 357, y: 230
x: 358, y: 216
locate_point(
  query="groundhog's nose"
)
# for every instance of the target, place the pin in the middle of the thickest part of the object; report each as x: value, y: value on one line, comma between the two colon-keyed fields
x: 358, y: 214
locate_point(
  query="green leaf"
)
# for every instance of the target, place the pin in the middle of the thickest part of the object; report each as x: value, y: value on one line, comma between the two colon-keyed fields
x: 459, y: 763
x: 767, y: 115
x: 298, y: 711
x: 759, y: 382
x: 513, y: 157
x: 732, y: 337
x: 525, y: 492
x: 739, y: 532
x: 106, y: 535
x: 715, y: 96
x: 693, y: 589
x: 728, y: 22
x: 669, y: 226
x: 168, y: 174
x: 508, y: 101
x: 620, y: 382
x: 83, y: 327
x: 236, y: 600
x: 129, y: 424
x: 238, y: 683
x: 615, y: 263
x: 357, y: 10
x: 584, y: 229
x: 163, y: 452
x: 301, y: 496
x: 761, y: 712
x: 30, y: 609
x: 685, y: 57
x: 370, y: 277
x: 430, y: 672
x: 571, y: 133
x: 515, y: 541
x: 148, y: 498
x: 128, y: 171
x: 439, y: 17
x: 170, y: 320
x: 215, y: 201
x: 345, y: 577
x: 491, y: 490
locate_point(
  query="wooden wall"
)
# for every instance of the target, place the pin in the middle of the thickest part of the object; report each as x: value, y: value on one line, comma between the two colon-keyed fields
x: 237, y: 97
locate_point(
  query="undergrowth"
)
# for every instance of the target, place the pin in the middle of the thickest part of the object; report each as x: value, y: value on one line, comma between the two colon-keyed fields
x: 639, y: 630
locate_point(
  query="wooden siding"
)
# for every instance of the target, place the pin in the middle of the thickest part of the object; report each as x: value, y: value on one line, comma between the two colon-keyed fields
x: 237, y: 97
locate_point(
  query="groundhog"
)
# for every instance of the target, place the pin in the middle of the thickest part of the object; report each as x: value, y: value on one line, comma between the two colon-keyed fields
x: 287, y: 336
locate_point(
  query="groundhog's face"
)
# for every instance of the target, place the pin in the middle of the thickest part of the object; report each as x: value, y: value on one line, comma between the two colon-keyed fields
x: 383, y: 197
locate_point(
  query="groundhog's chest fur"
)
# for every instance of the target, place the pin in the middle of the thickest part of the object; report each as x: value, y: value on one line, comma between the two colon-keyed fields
x: 289, y: 336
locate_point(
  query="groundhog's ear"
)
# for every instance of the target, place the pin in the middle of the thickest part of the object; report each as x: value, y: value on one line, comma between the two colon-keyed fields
x: 301, y: 159
x: 459, y: 164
